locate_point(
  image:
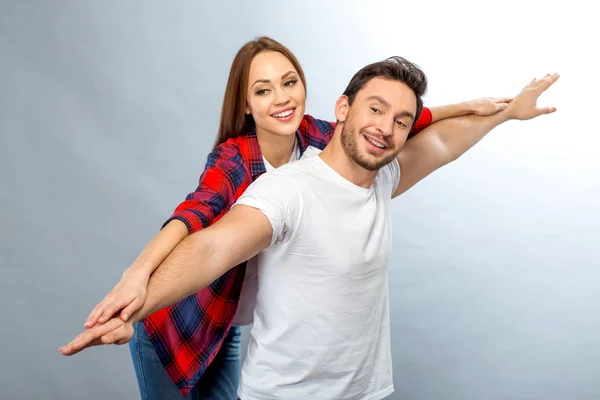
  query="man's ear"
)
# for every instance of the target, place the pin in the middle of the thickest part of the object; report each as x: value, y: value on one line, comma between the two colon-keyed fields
x: 341, y: 108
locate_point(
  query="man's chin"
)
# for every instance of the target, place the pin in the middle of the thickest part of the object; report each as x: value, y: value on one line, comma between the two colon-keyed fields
x: 373, y: 163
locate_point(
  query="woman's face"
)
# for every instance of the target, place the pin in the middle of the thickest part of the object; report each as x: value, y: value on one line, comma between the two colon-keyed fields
x: 276, y: 95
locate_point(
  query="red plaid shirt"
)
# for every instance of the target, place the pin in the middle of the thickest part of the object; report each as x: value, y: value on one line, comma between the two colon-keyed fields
x: 188, y: 335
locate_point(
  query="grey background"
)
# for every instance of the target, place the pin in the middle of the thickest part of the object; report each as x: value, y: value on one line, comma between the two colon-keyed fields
x: 107, y: 112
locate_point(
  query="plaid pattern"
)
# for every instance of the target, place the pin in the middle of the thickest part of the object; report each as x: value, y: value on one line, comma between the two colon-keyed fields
x: 188, y: 335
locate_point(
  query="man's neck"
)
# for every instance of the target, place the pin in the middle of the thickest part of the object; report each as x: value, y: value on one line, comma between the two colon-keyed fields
x: 335, y: 156
x: 277, y: 149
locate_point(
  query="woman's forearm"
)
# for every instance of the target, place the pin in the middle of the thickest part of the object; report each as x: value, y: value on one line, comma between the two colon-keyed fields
x: 160, y: 247
x: 450, y: 111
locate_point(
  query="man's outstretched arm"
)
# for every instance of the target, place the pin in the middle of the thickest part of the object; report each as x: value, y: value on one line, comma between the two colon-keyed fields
x: 445, y: 141
x: 195, y: 263
x: 204, y: 256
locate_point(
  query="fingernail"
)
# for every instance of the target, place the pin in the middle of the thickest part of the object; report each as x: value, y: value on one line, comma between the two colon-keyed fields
x: 125, y: 316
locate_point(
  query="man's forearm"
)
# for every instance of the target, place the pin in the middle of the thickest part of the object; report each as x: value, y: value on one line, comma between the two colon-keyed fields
x: 204, y: 256
x: 188, y: 269
x: 462, y: 133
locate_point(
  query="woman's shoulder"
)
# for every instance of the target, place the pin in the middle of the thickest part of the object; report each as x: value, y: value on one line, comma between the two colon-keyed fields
x: 316, y: 132
x: 233, y: 151
x: 321, y: 125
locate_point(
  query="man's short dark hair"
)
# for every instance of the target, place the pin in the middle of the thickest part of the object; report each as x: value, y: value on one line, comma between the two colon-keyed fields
x: 394, y: 68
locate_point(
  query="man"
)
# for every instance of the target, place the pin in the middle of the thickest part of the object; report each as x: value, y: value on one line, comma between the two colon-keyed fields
x: 321, y: 324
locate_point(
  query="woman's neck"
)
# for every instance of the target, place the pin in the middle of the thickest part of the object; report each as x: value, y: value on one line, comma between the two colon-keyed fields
x: 277, y: 149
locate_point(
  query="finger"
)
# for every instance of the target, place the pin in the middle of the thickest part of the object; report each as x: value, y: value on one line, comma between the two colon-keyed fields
x: 112, y: 309
x: 115, y: 336
x: 98, y: 311
x: 502, y: 99
x: 547, y: 81
x: 69, y: 350
x: 84, y: 339
x: 499, y: 107
x: 551, y: 79
x: 545, y: 110
x: 93, y: 317
x: 131, y: 308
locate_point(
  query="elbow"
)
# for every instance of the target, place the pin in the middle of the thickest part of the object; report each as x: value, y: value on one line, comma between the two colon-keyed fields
x: 445, y: 150
x: 452, y: 156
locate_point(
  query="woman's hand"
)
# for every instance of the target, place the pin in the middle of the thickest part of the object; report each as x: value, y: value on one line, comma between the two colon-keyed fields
x: 127, y: 296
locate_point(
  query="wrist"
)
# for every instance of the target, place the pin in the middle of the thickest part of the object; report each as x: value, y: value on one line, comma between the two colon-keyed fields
x: 140, y: 267
x: 501, y: 117
x: 468, y: 107
x: 145, y: 310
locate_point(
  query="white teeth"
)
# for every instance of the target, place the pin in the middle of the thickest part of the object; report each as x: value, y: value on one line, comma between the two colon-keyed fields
x: 284, y: 114
x: 375, y: 143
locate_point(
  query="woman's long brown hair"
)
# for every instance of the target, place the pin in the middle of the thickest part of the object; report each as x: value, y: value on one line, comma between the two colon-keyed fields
x: 234, y: 121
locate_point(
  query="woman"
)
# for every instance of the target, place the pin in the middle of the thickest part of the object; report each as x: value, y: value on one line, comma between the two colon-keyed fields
x: 193, y: 346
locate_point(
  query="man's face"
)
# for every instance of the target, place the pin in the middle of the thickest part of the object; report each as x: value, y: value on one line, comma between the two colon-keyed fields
x: 378, y: 122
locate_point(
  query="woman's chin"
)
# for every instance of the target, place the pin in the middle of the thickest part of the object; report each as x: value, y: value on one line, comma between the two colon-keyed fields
x: 282, y: 131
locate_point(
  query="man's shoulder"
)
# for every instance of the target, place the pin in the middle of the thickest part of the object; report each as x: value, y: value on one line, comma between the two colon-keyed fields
x: 389, y: 175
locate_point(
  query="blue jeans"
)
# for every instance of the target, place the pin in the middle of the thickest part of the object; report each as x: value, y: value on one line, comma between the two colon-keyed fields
x: 219, y: 381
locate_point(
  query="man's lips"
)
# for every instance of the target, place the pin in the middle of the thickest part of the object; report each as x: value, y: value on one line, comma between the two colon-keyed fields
x: 376, y: 142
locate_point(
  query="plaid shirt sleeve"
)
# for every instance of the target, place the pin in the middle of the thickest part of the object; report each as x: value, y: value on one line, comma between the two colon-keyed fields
x: 422, y: 122
x: 219, y: 183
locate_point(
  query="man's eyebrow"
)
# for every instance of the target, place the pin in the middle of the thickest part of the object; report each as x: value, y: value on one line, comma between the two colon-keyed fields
x: 381, y: 100
x: 406, y: 114
x: 387, y: 105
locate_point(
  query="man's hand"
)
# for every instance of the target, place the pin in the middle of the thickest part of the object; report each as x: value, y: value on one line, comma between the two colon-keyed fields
x: 114, y: 331
x: 524, y: 105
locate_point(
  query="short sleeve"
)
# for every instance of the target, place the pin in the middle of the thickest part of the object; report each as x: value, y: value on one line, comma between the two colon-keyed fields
x: 390, y: 176
x: 278, y: 197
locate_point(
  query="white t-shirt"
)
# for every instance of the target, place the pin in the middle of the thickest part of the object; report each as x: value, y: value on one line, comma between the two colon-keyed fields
x: 247, y: 301
x: 321, y: 323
